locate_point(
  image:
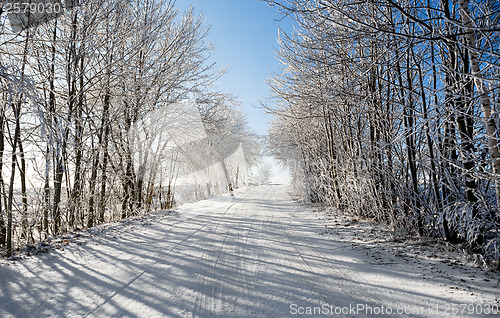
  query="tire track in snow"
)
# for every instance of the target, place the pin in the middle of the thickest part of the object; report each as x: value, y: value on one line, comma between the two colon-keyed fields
x: 192, y: 238
x: 252, y: 259
x: 215, y: 286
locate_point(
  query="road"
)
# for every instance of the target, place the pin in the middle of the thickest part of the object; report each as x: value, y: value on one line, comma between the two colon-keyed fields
x: 257, y: 254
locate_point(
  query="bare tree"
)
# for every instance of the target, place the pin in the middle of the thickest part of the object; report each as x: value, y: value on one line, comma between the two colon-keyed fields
x: 378, y: 106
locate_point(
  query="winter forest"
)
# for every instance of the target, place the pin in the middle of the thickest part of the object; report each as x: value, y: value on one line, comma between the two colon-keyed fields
x: 389, y: 110
x: 345, y: 162
x: 108, y: 112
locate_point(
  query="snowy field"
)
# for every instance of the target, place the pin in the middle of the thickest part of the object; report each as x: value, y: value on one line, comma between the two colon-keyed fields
x: 257, y: 254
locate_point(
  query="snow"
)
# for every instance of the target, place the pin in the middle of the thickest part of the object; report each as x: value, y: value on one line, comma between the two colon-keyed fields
x: 257, y: 254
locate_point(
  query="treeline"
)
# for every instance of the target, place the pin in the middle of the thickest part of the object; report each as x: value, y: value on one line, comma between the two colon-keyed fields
x: 389, y: 110
x: 71, y: 90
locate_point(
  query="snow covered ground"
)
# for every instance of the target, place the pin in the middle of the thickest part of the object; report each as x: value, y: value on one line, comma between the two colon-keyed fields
x: 257, y: 254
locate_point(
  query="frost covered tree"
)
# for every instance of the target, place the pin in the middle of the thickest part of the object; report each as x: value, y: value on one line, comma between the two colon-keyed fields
x: 72, y: 88
x: 389, y: 110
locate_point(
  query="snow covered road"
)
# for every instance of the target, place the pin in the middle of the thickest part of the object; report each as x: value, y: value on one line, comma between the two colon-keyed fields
x: 258, y: 254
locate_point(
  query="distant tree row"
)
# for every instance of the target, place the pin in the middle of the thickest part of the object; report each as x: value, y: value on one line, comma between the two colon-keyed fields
x: 71, y: 90
x: 389, y: 110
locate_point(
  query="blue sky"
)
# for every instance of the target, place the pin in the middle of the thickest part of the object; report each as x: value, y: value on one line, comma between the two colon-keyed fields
x: 244, y: 33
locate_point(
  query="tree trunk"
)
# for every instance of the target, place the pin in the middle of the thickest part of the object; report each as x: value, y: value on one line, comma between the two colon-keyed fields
x: 105, y: 131
x: 17, y: 114
x: 491, y: 128
x: 3, y: 229
x: 26, y: 234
